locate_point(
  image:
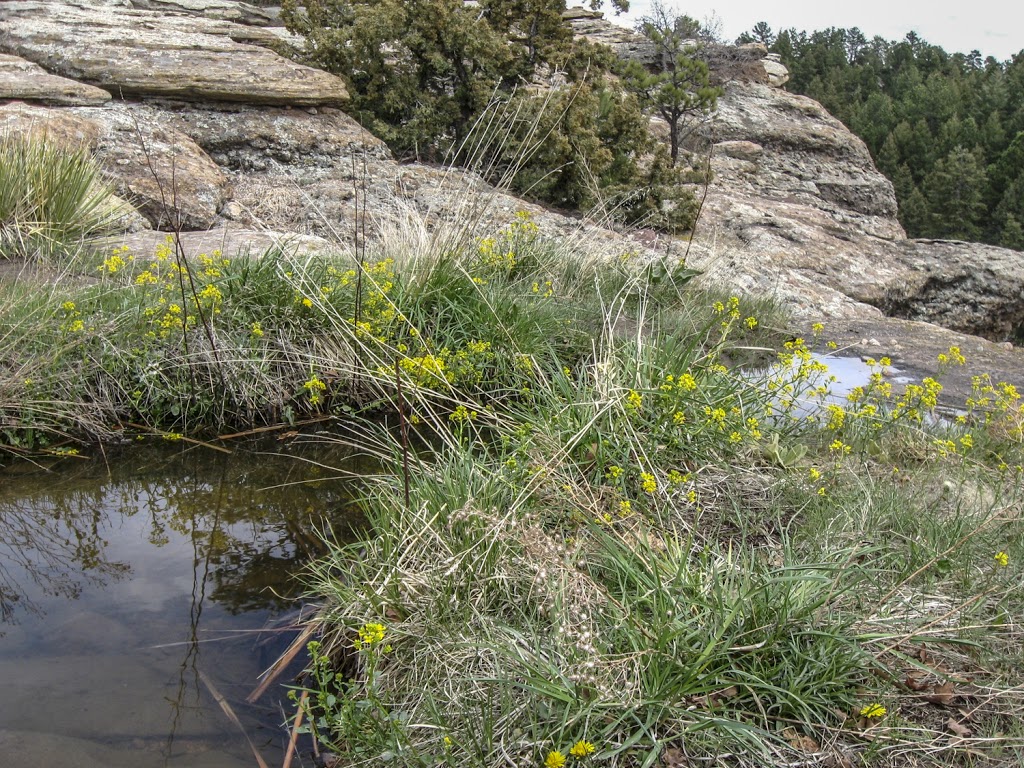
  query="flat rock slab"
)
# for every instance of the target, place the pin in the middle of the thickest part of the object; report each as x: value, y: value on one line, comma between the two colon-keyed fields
x: 154, y: 53
x: 23, y: 80
x: 225, y: 10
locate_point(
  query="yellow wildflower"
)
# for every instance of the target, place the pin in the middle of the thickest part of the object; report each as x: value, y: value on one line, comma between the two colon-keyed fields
x: 634, y: 401
x: 368, y: 635
x: 582, y: 749
x: 873, y: 711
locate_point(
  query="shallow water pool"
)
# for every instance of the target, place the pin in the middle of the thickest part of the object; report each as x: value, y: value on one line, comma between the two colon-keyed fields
x: 134, y: 585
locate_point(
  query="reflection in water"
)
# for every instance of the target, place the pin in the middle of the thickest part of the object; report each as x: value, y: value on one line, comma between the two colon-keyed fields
x: 54, y: 546
x: 253, y: 518
x: 138, y: 575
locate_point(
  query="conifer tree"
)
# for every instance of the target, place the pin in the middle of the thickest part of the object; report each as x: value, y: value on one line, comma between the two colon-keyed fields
x: 677, y: 87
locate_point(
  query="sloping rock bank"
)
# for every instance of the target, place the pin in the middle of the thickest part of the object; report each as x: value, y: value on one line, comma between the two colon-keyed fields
x: 197, y: 118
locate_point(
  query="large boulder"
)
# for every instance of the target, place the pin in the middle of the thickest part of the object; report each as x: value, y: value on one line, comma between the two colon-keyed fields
x: 153, y: 53
x: 796, y: 209
x: 966, y: 287
x: 809, y: 156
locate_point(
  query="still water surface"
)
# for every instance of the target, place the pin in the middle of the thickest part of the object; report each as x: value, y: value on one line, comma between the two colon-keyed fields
x: 126, y: 579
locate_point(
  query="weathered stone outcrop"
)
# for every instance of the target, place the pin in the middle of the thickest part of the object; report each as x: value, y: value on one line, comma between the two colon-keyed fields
x: 224, y: 10
x: 150, y: 53
x: 807, y: 156
x: 252, y: 142
x: 797, y: 209
x: 165, y: 175
x: 748, y: 63
x: 20, y: 79
x: 966, y: 287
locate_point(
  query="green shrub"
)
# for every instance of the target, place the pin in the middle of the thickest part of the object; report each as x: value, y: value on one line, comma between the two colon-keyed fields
x: 51, y: 199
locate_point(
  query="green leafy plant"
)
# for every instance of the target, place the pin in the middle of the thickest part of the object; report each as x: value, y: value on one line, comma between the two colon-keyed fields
x: 52, y: 199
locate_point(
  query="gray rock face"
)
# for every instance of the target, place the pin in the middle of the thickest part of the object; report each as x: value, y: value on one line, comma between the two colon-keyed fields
x: 152, y: 53
x: 23, y: 80
x: 808, y: 156
x: 797, y: 209
x: 777, y: 73
x: 966, y: 287
x: 592, y: 26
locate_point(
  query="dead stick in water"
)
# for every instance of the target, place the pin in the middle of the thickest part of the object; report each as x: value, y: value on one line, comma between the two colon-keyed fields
x: 283, y: 660
x: 295, y: 731
x: 273, y: 428
x: 172, y: 436
x: 231, y: 716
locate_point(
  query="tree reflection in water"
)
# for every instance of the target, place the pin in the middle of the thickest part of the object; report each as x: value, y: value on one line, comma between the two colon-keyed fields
x: 252, y: 518
x: 170, y: 559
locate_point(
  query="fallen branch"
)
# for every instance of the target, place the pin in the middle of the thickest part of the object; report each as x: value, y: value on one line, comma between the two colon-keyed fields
x: 278, y: 666
x: 295, y: 731
x: 230, y: 713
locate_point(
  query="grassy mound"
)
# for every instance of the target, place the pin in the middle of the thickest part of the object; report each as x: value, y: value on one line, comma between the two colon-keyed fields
x: 601, y: 539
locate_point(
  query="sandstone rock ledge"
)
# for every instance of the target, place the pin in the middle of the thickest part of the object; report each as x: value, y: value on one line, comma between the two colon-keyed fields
x: 20, y: 79
x: 153, y: 53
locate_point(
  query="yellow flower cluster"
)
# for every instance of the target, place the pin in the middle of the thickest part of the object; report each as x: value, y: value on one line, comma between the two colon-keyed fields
x: 117, y: 261
x: 315, y: 387
x: 72, y: 322
x: 369, y: 635
x: 581, y: 750
x: 462, y: 414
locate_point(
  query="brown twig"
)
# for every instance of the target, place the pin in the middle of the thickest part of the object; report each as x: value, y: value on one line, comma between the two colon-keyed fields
x: 230, y: 714
x: 180, y: 257
x: 274, y: 428
x: 700, y: 206
x: 283, y: 661
x: 295, y: 731
x: 184, y: 439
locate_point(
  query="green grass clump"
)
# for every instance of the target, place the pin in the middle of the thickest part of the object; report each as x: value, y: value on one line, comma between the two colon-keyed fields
x: 578, y: 566
x: 52, y: 198
x: 619, y: 541
x: 199, y: 343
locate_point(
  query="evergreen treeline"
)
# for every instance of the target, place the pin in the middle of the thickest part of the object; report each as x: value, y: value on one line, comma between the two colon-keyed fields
x: 947, y: 129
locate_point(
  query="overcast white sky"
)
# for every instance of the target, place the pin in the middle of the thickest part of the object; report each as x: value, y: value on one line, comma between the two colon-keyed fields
x: 994, y: 27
